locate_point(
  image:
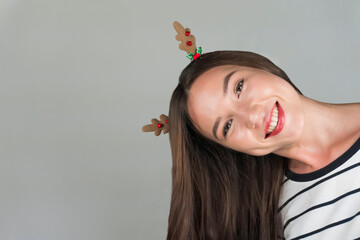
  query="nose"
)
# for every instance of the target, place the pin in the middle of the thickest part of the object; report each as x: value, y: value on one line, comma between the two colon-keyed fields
x: 251, y: 116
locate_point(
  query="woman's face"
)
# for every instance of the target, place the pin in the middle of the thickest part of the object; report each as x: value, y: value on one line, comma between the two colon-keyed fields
x: 246, y: 109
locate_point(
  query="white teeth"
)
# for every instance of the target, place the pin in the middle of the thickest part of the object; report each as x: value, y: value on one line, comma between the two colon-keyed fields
x: 274, y: 121
x: 276, y: 110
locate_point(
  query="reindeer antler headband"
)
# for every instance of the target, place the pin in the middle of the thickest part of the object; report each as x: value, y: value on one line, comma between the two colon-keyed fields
x: 188, y: 44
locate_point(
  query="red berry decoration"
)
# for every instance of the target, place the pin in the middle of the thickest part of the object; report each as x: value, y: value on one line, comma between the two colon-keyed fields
x: 196, y: 56
x: 187, y: 33
x: 189, y: 43
x: 160, y: 125
x: 167, y: 121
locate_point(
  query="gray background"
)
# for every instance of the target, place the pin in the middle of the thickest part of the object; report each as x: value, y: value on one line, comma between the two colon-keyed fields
x: 79, y: 78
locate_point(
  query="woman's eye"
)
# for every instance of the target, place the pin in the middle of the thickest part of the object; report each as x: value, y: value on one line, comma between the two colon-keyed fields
x: 239, y: 87
x: 227, y: 127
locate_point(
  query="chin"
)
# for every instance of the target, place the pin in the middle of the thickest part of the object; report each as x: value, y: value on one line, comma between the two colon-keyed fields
x: 259, y: 152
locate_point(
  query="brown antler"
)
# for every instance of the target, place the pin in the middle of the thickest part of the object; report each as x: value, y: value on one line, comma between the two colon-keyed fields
x: 188, y: 44
x: 157, y: 125
x: 184, y: 35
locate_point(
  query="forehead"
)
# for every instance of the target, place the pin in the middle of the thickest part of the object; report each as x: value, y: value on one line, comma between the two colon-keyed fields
x: 206, y: 96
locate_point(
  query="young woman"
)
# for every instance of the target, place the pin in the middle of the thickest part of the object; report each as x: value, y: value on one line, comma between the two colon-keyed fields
x: 255, y: 159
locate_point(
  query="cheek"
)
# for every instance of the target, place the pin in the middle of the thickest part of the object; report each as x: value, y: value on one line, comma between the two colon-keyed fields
x: 295, y: 121
x: 263, y: 88
x: 243, y: 141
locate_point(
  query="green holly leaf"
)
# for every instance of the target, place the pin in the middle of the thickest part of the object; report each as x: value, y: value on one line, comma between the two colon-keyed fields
x: 190, y: 56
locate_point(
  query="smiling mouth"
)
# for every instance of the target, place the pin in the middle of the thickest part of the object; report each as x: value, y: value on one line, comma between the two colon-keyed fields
x: 275, y: 122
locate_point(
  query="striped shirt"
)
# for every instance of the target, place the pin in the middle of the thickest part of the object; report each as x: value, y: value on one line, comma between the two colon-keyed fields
x: 324, y: 204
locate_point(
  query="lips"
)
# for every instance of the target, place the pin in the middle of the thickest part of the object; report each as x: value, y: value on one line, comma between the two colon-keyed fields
x: 280, y: 121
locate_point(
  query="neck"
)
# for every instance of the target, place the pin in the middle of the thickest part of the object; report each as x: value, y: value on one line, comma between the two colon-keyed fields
x: 329, y: 130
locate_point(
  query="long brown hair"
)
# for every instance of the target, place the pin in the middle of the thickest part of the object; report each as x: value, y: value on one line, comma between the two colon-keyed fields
x: 219, y: 193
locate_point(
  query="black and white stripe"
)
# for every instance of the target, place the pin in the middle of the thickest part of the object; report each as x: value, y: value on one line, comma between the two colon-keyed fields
x: 324, y: 204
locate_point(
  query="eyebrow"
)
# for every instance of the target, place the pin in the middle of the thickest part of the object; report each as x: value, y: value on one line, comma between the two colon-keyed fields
x: 216, y: 125
x: 225, y: 89
x: 226, y: 81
